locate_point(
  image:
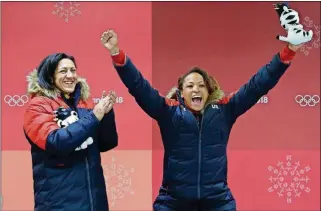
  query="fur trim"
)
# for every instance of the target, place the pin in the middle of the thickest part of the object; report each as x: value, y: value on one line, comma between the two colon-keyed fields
x: 35, y: 90
x: 172, y: 93
x: 215, y: 97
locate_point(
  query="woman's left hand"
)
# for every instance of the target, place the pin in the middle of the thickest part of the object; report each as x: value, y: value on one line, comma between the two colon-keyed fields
x: 111, y: 97
x: 295, y: 47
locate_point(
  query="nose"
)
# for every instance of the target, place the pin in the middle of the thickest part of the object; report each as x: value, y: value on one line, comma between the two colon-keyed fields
x: 69, y: 74
x: 195, y: 88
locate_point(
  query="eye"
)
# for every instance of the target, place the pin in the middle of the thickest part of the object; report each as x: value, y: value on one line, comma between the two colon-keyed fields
x: 202, y: 85
x: 189, y: 86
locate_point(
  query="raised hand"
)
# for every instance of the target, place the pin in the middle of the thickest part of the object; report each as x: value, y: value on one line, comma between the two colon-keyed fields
x: 109, y: 40
x: 297, y: 36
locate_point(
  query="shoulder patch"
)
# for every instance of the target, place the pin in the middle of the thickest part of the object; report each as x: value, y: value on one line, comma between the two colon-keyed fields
x: 215, y: 106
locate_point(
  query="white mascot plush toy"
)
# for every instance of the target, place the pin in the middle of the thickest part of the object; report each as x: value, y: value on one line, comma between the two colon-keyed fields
x: 290, y: 21
x: 66, y: 117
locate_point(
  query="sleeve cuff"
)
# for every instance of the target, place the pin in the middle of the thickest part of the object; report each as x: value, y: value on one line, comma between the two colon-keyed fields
x: 287, y: 55
x: 119, y: 59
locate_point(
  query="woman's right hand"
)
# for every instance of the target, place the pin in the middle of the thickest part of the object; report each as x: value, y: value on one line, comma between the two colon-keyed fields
x: 109, y: 40
x: 105, y: 104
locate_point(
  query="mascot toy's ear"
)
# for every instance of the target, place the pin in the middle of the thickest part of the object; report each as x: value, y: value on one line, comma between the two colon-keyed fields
x: 279, y: 8
x: 74, y: 113
x: 59, y: 123
x: 288, y: 17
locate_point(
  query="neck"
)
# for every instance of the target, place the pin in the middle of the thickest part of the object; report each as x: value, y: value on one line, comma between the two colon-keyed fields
x: 195, y: 112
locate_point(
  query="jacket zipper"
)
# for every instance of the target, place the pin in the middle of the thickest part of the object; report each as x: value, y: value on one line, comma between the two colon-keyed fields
x: 89, y: 185
x: 74, y: 107
x: 199, y: 152
x: 199, y: 160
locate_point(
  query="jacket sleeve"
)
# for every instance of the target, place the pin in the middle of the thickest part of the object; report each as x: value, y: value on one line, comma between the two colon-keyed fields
x: 46, y: 134
x: 107, y: 135
x: 258, y: 85
x: 145, y: 95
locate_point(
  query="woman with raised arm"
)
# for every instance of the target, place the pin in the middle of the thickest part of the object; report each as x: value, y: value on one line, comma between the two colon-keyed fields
x: 195, y: 120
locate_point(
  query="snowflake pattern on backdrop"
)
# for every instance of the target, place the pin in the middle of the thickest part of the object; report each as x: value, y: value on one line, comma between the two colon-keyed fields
x: 66, y: 9
x: 315, y: 42
x: 289, y: 179
x: 118, y: 181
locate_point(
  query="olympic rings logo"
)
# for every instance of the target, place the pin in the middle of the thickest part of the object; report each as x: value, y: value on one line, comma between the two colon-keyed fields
x: 307, y: 100
x: 16, y: 100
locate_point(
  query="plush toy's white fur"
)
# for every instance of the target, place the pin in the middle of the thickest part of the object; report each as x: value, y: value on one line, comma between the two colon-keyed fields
x: 69, y: 120
x: 296, y: 34
x: 286, y: 21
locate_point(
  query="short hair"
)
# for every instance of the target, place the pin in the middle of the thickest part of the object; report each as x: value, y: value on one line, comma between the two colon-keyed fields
x: 47, y: 68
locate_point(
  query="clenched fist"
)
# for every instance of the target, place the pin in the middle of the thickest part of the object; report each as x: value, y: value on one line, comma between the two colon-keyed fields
x: 110, y: 41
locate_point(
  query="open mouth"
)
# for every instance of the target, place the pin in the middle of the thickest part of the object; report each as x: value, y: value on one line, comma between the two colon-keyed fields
x: 197, y: 100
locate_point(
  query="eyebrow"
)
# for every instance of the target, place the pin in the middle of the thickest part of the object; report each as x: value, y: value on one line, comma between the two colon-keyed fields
x: 67, y: 68
x: 197, y: 82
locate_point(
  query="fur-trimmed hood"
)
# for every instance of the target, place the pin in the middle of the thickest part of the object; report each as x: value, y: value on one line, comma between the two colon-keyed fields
x: 34, y: 88
x: 215, y: 97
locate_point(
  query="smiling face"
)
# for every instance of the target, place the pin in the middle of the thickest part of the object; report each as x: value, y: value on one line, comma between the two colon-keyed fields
x: 65, y: 76
x: 194, y: 91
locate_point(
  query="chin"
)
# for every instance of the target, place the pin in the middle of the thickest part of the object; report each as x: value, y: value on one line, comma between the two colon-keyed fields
x: 198, y: 108
x: 68, y: 91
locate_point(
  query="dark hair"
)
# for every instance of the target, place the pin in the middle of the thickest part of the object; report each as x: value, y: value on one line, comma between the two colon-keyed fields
x: 47, y: 68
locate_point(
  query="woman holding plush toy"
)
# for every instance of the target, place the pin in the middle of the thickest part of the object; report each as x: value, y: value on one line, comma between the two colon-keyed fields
x: 67, y: 133
x: 195, y: 121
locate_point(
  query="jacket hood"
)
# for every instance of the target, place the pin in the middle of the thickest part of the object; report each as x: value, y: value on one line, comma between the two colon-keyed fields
x: 215, y: 97
x: 34, y: 88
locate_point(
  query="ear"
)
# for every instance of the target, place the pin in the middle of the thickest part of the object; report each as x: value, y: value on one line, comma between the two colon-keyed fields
x: 59, y: 123
x: 74, y: 113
